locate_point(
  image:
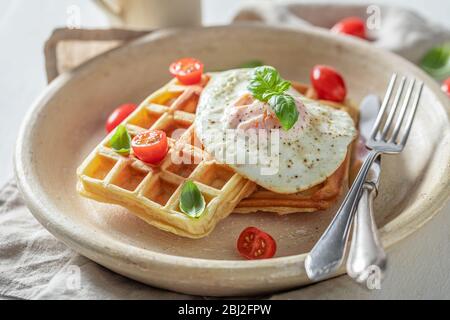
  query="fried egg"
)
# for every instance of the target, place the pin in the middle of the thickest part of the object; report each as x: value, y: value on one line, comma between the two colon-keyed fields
x: 245, y: 134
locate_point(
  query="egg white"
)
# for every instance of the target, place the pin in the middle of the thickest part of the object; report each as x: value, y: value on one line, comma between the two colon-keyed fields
x: 306, y: 155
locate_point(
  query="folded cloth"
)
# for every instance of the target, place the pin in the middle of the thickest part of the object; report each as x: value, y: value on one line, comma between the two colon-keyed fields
x: 34, y: 265
x: 396, y: 29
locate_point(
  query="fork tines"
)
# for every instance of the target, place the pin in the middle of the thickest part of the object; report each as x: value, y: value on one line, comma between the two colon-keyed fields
x: 384, y: 132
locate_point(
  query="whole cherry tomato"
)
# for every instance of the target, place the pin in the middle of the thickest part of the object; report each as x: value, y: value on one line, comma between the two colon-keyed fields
x: 150, y: 146
x: 188, y: 71
x: 328, y: 83
x: 120, y: 114
x: 352, y: 26
x: 256, y: 244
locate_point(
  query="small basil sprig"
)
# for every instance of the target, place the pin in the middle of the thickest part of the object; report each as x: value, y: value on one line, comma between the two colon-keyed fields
x: 285, y: 109
x: 121, y: 140
x: 192, y: 202
x: 436, y: 62
x: 267, y: 82
x: 267, y: 85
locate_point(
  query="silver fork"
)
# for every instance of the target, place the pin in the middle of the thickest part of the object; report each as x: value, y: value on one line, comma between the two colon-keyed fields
x: 328, y: 254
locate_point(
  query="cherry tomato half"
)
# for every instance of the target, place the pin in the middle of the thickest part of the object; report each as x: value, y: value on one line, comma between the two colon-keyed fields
x: 150, y: 146
x: 120, y: 114
x: 256, y: 244
x: 328, y: 83
x: 351, y: 26
x: 446, y: 86
x: 188, y: 71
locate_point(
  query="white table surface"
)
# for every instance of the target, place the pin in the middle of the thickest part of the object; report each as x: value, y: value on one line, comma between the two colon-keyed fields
x: 419, y: 266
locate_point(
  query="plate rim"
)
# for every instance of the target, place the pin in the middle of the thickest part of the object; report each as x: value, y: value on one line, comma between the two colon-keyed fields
x: 67, y: 231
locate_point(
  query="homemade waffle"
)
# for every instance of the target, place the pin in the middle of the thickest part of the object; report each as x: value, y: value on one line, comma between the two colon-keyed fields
x: 317, y: 198
x: 153, y: 192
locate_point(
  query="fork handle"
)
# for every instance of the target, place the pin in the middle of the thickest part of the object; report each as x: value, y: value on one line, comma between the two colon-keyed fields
x: 328, y: 253
x: 366, y: 252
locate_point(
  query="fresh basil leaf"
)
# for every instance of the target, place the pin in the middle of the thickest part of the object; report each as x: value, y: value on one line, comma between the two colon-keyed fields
x: 192, y: 202
x: 268, y: 94
x: 251, y: 64
x: 267, y: 85
x: 269, y: 76
x: 285, y: 109
x: 283, y: 86
x: 121, y: 140
x: 436, y: 62
x: 267, y: 82
x: 264, y: 80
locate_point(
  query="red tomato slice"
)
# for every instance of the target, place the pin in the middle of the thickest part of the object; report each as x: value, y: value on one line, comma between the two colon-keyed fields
x: 150, y: 146
x: 328, y: 83
x: 120, y: 114
x: 256, y: 244
x: 188, y: 71
x: 446, y: 86
x: 352, y: 26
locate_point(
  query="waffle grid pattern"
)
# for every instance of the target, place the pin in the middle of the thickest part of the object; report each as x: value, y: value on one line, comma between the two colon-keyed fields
x: 153, y: 193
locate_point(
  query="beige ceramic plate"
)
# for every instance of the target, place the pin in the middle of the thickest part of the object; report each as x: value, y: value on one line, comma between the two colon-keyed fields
x: 67, y: 121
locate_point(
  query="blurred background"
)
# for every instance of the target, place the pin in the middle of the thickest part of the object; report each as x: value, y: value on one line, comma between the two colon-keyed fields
x: 25, y: 25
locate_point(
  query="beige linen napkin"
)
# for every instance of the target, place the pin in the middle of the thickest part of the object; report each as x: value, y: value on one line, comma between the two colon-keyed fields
x: 34, y: 265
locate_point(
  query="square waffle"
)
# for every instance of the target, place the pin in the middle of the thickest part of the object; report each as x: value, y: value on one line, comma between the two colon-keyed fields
x: 153, y: 192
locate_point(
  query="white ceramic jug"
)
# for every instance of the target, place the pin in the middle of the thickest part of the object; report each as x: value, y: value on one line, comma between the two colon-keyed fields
x: 151, y: 14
